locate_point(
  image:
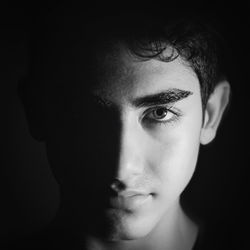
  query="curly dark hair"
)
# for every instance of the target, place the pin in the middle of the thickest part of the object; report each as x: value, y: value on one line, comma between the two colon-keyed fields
x: 194, y: 41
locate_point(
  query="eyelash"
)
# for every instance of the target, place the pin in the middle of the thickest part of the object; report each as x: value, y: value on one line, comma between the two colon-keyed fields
x: 176, y: 115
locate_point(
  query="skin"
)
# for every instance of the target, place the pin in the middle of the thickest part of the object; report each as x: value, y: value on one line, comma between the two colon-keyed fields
x: 150, y: 148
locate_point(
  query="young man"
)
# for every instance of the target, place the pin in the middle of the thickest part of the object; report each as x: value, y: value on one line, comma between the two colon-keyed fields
x: 123, y: 103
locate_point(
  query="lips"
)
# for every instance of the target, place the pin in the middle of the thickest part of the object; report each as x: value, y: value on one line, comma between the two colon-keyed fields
x: 130, y: 200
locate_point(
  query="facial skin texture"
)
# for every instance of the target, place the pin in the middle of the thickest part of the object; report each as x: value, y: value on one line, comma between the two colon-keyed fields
x: 155, y: 150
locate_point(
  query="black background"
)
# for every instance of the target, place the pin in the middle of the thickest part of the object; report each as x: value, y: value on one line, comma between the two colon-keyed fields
x: 29, y: 193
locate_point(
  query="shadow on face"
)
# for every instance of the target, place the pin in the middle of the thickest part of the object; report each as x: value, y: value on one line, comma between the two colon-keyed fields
x: 83, y: 150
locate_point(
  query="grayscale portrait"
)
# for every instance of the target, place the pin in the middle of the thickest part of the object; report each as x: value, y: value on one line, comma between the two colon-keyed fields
x: 136, y: 117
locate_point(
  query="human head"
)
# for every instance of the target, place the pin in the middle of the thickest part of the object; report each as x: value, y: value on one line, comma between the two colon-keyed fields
x: 185, y: 48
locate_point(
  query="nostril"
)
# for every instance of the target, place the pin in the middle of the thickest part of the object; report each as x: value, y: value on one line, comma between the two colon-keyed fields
x: 117, y: 186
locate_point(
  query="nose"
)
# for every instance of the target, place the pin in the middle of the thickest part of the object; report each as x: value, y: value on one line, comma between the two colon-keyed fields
x: 130, y: 161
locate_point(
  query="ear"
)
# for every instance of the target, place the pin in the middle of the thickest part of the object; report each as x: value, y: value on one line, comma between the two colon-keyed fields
x: 215, y: 108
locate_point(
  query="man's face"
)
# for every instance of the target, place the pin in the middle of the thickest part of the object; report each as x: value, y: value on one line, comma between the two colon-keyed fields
x: 146, y: 134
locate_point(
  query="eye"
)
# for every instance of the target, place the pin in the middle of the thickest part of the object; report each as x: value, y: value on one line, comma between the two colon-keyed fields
x: 160, y: 114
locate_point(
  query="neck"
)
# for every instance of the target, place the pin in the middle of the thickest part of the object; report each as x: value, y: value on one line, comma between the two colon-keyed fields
x: 175, y: 231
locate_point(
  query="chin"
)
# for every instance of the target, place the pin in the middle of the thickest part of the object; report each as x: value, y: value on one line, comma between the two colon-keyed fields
x: 128, y: 226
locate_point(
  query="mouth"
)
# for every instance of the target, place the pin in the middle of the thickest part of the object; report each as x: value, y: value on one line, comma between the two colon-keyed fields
x: 130, y: 200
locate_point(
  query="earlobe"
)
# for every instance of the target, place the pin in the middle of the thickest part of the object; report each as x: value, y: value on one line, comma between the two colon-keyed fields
x: 215, y: 108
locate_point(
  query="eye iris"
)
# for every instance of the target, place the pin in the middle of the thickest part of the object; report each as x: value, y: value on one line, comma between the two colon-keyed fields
x: 160, y: 113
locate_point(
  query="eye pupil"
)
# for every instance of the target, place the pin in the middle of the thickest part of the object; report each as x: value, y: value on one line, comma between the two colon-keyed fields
x: 160, y: 113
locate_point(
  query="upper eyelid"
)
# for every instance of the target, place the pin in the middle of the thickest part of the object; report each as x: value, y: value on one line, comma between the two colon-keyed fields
x: 166, y: 106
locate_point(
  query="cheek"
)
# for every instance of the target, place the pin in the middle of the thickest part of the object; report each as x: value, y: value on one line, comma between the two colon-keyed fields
x: 181, y: 165
x: 174, y: 159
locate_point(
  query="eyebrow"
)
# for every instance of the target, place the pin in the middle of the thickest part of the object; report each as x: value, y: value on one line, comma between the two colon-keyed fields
x: 165, y: 97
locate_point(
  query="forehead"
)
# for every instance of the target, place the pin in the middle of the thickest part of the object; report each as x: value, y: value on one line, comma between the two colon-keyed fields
x: 120, y: 75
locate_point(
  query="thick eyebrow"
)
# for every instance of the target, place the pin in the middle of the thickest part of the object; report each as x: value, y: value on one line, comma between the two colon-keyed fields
x: 165, y: 97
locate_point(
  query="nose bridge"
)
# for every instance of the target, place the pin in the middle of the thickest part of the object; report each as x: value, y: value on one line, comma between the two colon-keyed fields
x: 130, y: 153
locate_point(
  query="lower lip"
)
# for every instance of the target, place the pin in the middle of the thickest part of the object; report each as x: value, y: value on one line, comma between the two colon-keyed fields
x: 131, y: 202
